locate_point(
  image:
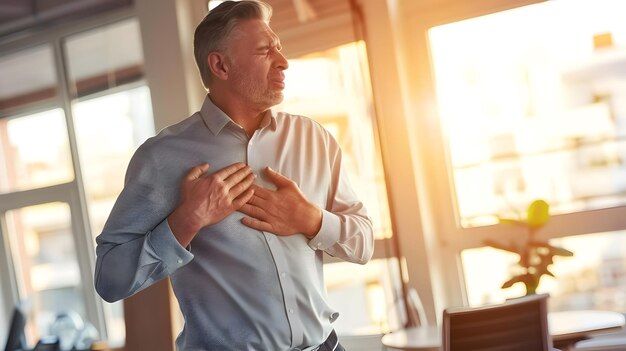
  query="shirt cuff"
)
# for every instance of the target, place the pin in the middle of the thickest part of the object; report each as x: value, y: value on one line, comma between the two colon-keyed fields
x: 167, y: 248
x: 329, y: 232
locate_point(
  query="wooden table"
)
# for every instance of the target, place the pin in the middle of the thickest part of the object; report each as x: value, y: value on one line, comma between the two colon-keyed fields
x: 566, y: 328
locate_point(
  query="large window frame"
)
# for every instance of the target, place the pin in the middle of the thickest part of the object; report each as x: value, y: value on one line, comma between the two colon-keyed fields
x: 71, y: 193
x: 431, y: 156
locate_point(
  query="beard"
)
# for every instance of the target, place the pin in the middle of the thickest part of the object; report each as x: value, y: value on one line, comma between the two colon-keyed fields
x: 254, y: 91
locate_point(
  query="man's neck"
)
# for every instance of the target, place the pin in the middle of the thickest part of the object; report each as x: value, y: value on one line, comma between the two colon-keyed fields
x: 249, y: 118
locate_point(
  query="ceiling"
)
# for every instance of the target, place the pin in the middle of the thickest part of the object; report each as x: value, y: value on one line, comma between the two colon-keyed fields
x: 19, y: 15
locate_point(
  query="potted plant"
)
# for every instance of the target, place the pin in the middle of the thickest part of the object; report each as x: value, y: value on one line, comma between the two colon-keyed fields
x: 535, y: 255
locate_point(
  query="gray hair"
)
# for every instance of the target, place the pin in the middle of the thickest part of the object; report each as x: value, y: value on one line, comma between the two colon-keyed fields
x: 217, y: 25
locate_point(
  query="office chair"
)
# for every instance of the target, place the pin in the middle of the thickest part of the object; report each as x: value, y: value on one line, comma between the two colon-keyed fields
x: 16, y: 339
x: 415, y: 304
x: 519, y: 324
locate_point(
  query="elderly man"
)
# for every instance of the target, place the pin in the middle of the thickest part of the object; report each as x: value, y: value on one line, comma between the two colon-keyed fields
x: 237, y: 203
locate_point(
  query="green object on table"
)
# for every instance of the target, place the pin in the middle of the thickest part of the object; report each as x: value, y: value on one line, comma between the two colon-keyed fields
x: 535, y: 255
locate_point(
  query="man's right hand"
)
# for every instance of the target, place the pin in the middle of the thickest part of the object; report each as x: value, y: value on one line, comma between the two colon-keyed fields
x: 207, y: 199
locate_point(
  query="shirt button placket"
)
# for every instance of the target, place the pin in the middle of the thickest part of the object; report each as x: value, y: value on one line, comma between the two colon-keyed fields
x: 257, y: 162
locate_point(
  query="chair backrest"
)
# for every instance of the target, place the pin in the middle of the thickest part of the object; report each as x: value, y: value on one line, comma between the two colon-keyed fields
x: 519, y: 324
x: 415, y: 303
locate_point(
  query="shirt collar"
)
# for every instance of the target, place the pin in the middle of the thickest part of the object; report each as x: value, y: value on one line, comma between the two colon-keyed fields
x: 215, y: 119
x: 269, y: 120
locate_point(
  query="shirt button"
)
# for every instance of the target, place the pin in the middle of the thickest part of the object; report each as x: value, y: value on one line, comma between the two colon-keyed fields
x: 291, y: 310
x: 319, y: 245
x: 180, y: 260
x: 283, y: 274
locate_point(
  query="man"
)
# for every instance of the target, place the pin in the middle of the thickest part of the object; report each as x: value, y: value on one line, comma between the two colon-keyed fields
x: 263, y: 194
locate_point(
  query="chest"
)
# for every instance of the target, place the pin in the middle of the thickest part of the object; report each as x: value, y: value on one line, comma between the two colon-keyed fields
x: 302, y: 157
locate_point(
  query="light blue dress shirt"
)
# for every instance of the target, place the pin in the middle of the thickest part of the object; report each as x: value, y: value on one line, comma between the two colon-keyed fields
x: 238, y: 288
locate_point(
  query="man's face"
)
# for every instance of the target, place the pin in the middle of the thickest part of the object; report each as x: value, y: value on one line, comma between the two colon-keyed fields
x: 256, y: 64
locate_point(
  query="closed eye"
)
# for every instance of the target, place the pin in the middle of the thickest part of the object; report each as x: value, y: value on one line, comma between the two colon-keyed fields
x: 263, y: 50
x: 266, y: 49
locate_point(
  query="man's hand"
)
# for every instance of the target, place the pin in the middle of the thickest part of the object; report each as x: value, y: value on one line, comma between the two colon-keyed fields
x: 285, y: 211
x: 207, y: 199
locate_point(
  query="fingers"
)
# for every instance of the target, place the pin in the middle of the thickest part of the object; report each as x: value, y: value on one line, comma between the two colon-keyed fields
x: 243, y: 199
x: 243, y: 186
x: 257, y: 201
x: 277, y: 178
x: 230, y: 170
x: 237, y: 177
x: 261, y: 192
x: 197, y: 171
x: 253, y: 211
x: 256, y: 224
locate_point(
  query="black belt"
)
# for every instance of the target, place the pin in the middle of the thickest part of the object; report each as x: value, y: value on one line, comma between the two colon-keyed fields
x: 331, y: 342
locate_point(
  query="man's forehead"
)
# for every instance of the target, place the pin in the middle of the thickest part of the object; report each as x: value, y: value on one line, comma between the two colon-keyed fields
x: 256, y: 30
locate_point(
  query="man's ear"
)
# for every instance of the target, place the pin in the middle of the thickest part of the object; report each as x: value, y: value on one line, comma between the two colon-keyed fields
x: 218, y: 65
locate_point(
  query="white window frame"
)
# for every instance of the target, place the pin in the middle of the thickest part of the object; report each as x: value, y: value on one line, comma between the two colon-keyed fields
x: 71, y: 193
x: 442, y: 227
x: 67, y: 193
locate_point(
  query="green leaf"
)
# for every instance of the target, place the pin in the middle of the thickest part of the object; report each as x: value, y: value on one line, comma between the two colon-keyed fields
x: 511, y: 221
x: 553, y: 250
x: 538, y: 214
x: 509, y: 283
x: 559, y: 251
x: 526, y: 278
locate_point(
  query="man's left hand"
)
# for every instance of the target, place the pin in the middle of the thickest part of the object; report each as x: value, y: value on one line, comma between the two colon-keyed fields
x: 285, y: 211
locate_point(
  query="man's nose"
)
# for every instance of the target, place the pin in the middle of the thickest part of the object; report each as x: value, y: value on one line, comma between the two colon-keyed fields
x: 281, y: 61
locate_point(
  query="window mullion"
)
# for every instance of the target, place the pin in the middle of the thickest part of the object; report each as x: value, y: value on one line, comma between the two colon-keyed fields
x: 9, y: 288
x: 80, y: 218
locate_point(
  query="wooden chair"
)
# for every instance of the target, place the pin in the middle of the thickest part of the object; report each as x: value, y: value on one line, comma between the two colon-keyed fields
x: 519, y: 324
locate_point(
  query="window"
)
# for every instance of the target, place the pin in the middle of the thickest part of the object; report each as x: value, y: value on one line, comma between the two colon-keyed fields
x: 28, y: 76
x: 46, y: 264
x: 35, y: 151
x: 534, y: 111
x: 64, y: 146
x: 104, y: 58
x: 594, y: 279
x: 528, y: 112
